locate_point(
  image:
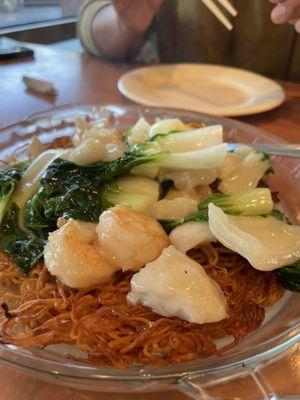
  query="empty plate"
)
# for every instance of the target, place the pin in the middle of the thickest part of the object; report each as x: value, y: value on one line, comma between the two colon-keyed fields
x: 212, y: 89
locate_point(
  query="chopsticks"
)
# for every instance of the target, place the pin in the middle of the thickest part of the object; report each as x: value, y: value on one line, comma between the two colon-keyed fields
x: 219, y: 14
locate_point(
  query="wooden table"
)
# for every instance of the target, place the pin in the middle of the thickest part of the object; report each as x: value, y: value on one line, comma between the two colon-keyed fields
x: 83, y: 79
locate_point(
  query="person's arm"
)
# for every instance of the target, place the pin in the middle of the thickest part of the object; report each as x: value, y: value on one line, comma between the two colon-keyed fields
x: 112, y: 37
x: 117, y: 29
x: 286, y: 11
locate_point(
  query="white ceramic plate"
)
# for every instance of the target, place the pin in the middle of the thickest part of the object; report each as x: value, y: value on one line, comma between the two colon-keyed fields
x: 211, y: 89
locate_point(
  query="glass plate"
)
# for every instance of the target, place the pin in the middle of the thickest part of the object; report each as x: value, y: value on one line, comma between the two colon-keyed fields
x: 243, y: 371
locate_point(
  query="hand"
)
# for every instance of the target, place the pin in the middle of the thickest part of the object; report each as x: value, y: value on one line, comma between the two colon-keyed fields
x: 136, y: 15
x: 286, y: 11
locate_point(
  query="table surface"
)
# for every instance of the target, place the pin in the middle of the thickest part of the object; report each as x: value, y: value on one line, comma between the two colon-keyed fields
x: 80, y: 78
x: 83, y: 79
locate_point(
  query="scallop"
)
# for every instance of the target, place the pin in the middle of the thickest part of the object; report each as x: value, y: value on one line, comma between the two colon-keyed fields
x: 266, y: 242
x: 174, y: 285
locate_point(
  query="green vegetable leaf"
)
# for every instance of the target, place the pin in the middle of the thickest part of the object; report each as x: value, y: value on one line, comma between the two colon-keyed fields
x: 66, y: 190
x: 281, y: 217
x: 101, y: 172
x: 9, y: 180
x: 169, y: 225
x: 74, y: 191
x: 23, y: 247
x: 289, y: 276
x: 266, y: 157
x: 249, y: 203
x: 68, y: 196
x: 160, y: 136
x: 126, y: 135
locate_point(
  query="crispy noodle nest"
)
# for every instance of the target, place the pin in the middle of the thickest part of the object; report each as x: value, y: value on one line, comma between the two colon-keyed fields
x: 41, y: 311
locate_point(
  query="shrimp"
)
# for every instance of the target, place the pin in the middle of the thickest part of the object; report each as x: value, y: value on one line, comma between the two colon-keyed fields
x: 74, y: 256
x: 129, y: 239
x: 81, y: 254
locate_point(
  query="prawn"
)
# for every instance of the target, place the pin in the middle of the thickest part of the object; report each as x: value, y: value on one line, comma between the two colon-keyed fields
x: 74, y: 256
x: 130, y: 239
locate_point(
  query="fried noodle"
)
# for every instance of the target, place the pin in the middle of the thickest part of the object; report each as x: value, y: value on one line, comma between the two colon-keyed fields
x: 99, y: 321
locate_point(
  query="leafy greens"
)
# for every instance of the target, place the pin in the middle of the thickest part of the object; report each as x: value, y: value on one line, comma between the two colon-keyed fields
x: 24, y: 248
x: 83, y: 192
x: 66, y: 190
x: 74, y: 191
x: 9, y: 180
x: 289, y: 276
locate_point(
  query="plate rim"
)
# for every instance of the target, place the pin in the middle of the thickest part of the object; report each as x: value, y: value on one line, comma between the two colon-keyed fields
x: 251, y: 110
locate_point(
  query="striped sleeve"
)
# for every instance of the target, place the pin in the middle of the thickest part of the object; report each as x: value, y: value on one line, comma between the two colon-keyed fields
x: 86, y: 16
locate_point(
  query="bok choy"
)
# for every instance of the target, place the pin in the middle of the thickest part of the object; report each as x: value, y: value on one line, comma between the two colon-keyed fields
x: 23, y: 247
x: 251, y: 202
x: 9, y: 180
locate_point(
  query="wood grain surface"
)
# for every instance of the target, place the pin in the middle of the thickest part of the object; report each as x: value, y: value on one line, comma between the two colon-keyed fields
x: 84, y: 79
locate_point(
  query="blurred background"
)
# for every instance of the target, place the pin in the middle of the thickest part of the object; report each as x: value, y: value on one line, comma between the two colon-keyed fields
x: 38, y: 21
x: 53, y: 22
